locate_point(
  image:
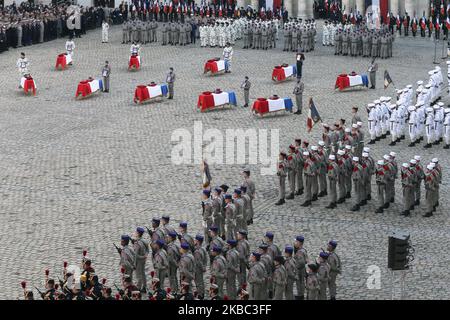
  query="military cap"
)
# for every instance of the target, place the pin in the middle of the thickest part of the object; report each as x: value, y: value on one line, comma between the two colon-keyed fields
x: 380, y: 162
x: 160, y: 243
x: 206, y: 192
x: 289, y: 249
x: 300, y: 238
x: 333, y: 243
x: 237, y: 191
x: 231, y: 242
x: 199, y: 237
x: 216, y: 249
x: 140, y: 230
x: 125, y: 237
x: 218, y: 190
x: 156, y: 220
x: 324, y: 255
x: 183, y: 224
x: 263, y: 246
x: 213, y: 228
x: 243, y: 232
x: 256, y: 254
x: 392, y: 154
x: 356, y: 159
x: 165, y: 217
x: 185, y: 246
x: 405, y: 165
x: 332, y: 157
x: 269, y: 235
x: 341, y: 152
x: 435, y: 160
x: 228, y: 196
x: 172, y: 234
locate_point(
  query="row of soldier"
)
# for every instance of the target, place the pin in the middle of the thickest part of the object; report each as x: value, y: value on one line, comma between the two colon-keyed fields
x: 308, y: 168
x: 219, y: 32
x: 359, y: 41
x: 299, y: 35
x: 426, y: 117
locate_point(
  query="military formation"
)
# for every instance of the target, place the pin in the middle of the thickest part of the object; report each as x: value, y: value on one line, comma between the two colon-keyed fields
x: 417, y: 113
x: 341, y: 167
x: 139, y: 31
x: 216, y: 33
x: 299, y: 35
x: 358, y: 40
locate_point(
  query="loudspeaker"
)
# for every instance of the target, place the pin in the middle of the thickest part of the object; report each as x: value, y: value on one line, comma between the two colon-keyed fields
x: 398, y: 250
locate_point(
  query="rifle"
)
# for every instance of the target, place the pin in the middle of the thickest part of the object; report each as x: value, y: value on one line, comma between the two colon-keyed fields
x: 40, y: 292
x: 61, y: 283
x: 118, y: 249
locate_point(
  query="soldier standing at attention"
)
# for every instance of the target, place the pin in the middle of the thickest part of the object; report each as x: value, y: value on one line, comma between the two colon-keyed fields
x: 239, y: 210
x: 207, y: 212
x: 106, y: 71
x: 170, y: 79
x: 420, y: 177
x: 291, y: 171
x: 251, y: 191
x: 323, y: 275
x: 301, y: 259
x: 312, y: 282
x: 291, y: 271
x: 342, y: 176
x: 355, y: 116
x: 333, y: 174
x: 407, y: 185
x: 141, y: 250
x: 201, y: 261
x: 256, y: 277
x: 230, y: 217
x: 243, y: 248
x: 105, y: 28
x: 335, y: 267
x: 124, y: 32
x: 164, y: 31
x: 233, y: 269
x: 267, y: 260
x: 127, y: 256
x: 279, y: 278
x: 309, y: 172
x: 298, y: 91
x: 381, y: 177
x: 357, y: 177
x: 218, y: 268
x: 173, y: 254
x: 373, y: 68
x: 186, y: 265
x: 431, y: 185
x: 160, y: 260
x: 299, y: 172
x: 281, y: 173
x: 183, y: 235
x: 246, y: 86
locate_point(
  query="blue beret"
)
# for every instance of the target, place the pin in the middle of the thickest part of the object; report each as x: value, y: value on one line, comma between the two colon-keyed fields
x: 324, y: 255
x: 214, y: 228
x: 228, y: 196
x: 256, y: 254
x: 237, y: 191
x: 289, y: 249
x: 140, y: 230
x: 167, y: 218
x: 125, y: 237
x: 333, y: 243
x: 183, y: 224
x: 156, y: 220
x: 232, y: 242
x: 206, y: 192
x: 244, y: 188
x: 185, y: 245
x: 242, y: 231
x: 217, y: 249
x: 218, y: 190
x: 199, y: 237
x: 160, y: 242
x: 269, y: 235
x: 172, y: 234
x: 300, y: 238
x: 263, y: 246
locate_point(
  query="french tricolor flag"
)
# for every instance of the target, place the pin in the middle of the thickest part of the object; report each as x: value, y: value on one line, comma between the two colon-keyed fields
x: 270, y: 4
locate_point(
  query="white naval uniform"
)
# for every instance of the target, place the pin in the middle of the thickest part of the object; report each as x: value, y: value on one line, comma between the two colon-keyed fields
x: 105, y: 27
x: 70, y: 46
x: 429, y: 127
x: 393, y: 124
x: 447, y: 128
x: 412, y: 124
x: 372, y: 122
x: 23, y: 65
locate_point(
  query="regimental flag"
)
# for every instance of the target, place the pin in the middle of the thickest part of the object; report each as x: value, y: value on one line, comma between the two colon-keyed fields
x: 313, y: 116
x: 387, y: 79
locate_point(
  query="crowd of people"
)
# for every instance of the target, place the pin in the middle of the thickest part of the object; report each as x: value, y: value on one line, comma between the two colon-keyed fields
x: 418, y: 114
x: 180, y: 260
x: 26, y: 24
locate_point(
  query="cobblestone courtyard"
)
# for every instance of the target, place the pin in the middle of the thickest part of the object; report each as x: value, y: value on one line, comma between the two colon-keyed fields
x: 78, y: 174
